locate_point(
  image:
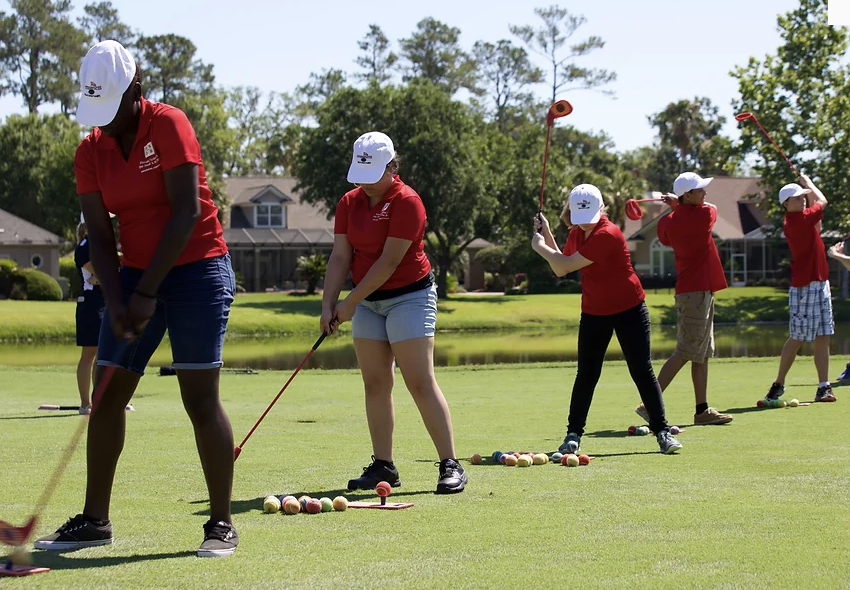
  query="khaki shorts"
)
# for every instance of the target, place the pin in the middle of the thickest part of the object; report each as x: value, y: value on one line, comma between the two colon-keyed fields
x: 695, y: 341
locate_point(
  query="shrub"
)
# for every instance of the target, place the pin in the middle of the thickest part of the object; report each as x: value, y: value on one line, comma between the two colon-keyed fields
x: 7, y: 274
x: 451, y: 283
x: 68, y: 270
x: 34, y: 285
x: 312, y: 269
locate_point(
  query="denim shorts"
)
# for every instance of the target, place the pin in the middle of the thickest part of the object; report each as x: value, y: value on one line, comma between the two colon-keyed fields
x: 193, y: 305
x: 413, y: 315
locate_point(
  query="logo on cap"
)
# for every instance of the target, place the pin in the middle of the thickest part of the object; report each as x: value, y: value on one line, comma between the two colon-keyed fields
x: 584, y: 204
x: 365, y: 158
x: 92, y: 88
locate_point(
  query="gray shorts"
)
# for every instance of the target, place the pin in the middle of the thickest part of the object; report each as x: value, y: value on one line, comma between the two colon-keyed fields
x: 811, y: 311
x: 413, y: 315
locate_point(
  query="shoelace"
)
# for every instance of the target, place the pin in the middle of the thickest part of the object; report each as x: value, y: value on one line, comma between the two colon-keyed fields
x: 219, y: 530
x: 449, y: 470
x: 74, y: 524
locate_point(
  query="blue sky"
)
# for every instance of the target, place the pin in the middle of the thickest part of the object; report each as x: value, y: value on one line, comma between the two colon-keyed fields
x: 662, y: 50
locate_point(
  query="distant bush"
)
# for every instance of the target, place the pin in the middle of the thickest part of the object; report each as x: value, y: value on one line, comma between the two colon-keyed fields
x: 7, y: 274
x: 451, y: 283
x: 34, y: 285
x: 68, y: 270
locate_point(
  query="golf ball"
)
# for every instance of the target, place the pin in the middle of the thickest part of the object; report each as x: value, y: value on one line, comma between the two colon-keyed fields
x: 761, y: 403
x: 643, y: 430
x: 510, y: 460
x: 292, y: 506
x: 523, y: 461
x: 572, y: 461
x: 556, y: 456
x: 475, y: 459
x: 314, y: 506
x: 794, y: 403
x: 340, y: 503
x: 271, y: 505
x: 327, y: 504
x: 632, y: 430
x: 583, y: 460
x: 675, y: 430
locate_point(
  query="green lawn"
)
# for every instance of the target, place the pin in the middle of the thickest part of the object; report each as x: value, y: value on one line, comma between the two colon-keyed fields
x: 761, y: 503
x: 265, y: 314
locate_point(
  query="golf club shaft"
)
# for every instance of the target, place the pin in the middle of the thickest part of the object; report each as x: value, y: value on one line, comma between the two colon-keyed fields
x: 545, y: 160
x: 778, y: 149
x: 238, y: 449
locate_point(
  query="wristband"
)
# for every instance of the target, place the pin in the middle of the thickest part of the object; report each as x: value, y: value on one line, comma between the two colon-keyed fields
x: 145, y: 295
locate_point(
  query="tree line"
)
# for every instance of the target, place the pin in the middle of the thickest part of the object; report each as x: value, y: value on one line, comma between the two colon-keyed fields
x: 469, y: 126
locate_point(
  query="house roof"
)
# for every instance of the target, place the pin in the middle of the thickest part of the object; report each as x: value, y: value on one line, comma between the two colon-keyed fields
x: 242, y: 191
x: 277, y: 237
x: 14, y: 230
x: 738, y: 212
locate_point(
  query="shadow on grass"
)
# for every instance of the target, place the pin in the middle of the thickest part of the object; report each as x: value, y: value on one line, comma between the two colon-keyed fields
x: 632, y: 454
x: 40, y: 417
x: 608, y: 434
x: 256, y: 504
x: 61, y: 561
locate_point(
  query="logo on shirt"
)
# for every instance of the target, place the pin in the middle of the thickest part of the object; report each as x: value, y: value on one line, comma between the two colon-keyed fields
x: 364, y: 158
x: 584, y: 204
x: 382, y: 214
x: 92, y: 89
x: 151, y: 161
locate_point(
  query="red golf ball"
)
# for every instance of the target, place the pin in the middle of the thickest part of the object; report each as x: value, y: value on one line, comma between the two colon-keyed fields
x: 383, y: 489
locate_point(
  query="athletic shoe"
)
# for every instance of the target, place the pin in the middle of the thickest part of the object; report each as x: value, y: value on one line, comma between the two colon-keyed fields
x: 571, y: 444
x: 775, y: 392
x: 84, y: 410
x: 376, y: 472
x: 845, y: 374
x: 667, y: 443
x: 711, y: 416
x: 78, y: 533
x: 825, y: 394
x: 452, y: 477
x: 641, y: 411
x: 220, y: 539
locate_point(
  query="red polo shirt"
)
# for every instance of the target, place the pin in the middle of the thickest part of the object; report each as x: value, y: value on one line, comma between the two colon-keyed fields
x: 400, y: 214
x: 609, y: 285
x: 687, y: 229
x: 808, y: 256
x: 134, y: 189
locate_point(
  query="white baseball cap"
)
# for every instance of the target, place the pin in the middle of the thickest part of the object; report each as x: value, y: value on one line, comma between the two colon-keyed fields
x: 585, y: 204
x: 372, y: 152
x: 791, y: 190
x: 688, y: 181
x: 108, y: 70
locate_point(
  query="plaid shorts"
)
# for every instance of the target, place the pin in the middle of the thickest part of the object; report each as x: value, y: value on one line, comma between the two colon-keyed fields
x: 811, y: 311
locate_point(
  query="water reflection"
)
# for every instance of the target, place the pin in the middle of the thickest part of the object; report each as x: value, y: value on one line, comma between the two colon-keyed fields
x: 451, y: 349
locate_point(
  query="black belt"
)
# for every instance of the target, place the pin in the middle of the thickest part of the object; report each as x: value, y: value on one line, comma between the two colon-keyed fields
x: 382, y: 294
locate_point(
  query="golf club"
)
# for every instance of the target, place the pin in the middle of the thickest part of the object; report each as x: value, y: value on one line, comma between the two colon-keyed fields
x: 238, y: 450
x: 17, y: 536
x: 559, y: 109
x: 633, y: 210
x: 746, y: 116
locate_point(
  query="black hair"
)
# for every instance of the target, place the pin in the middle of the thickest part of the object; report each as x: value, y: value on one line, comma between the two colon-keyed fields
x: 394, y: 164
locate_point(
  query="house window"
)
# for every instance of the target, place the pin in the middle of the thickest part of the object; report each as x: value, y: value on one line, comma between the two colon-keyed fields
x: 269, y: 215
x: 662, y: 259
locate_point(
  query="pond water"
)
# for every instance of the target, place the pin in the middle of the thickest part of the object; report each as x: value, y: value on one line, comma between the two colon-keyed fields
x: 451, y: 349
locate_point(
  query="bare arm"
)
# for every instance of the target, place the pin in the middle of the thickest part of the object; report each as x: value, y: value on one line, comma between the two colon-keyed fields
x: 337, y: 271
x: 837, y: 252
x: 816, y: 193
x: 181, y: 185
x: 93, y: 278
x: 560, y: 264
x: 541, y: 224
x: 102, y: 251
x: 385, y: 265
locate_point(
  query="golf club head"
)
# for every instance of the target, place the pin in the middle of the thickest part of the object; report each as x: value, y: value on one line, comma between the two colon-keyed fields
x: 633, y: 210
x: 236, y: 452
x: 744, y: 116
x: 559, y: 109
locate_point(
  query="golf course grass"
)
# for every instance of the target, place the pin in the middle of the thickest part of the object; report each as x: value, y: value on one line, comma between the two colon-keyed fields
x: 278, y: 314
x: 761, y: 503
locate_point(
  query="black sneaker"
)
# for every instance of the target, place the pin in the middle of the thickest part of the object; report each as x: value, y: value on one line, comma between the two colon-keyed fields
x: 452, y: 477
x: 824, y: 394
x: 220, y: 539
x: 667, y: 443
x: 775, y: 392
x: 571, y: 444
x: 376, y: 472
x: 78, y: 533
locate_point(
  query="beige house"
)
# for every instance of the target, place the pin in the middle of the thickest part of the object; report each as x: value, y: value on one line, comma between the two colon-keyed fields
x: 268, y: 228
x: 746, y: 250
x: 29, y: 245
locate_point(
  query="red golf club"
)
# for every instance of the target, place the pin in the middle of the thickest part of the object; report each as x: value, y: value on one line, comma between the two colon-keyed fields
x: 633, y: 210
x: 17, y: 536
x: 238, y: 450
x: 559, y: 109
x: 746, y: 116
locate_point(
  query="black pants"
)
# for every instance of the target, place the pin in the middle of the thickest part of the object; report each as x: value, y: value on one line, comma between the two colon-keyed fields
x: 594, y: 334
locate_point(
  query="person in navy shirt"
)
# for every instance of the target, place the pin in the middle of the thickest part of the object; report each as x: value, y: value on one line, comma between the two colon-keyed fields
x: 90, y: 309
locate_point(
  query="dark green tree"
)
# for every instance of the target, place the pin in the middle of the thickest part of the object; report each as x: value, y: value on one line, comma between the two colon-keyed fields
x: 101, y: 22
x: 442, y: 145
x: 376, y: 60
x: 433, y: 53
x: 550, y: 40
x: 507, y: 72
